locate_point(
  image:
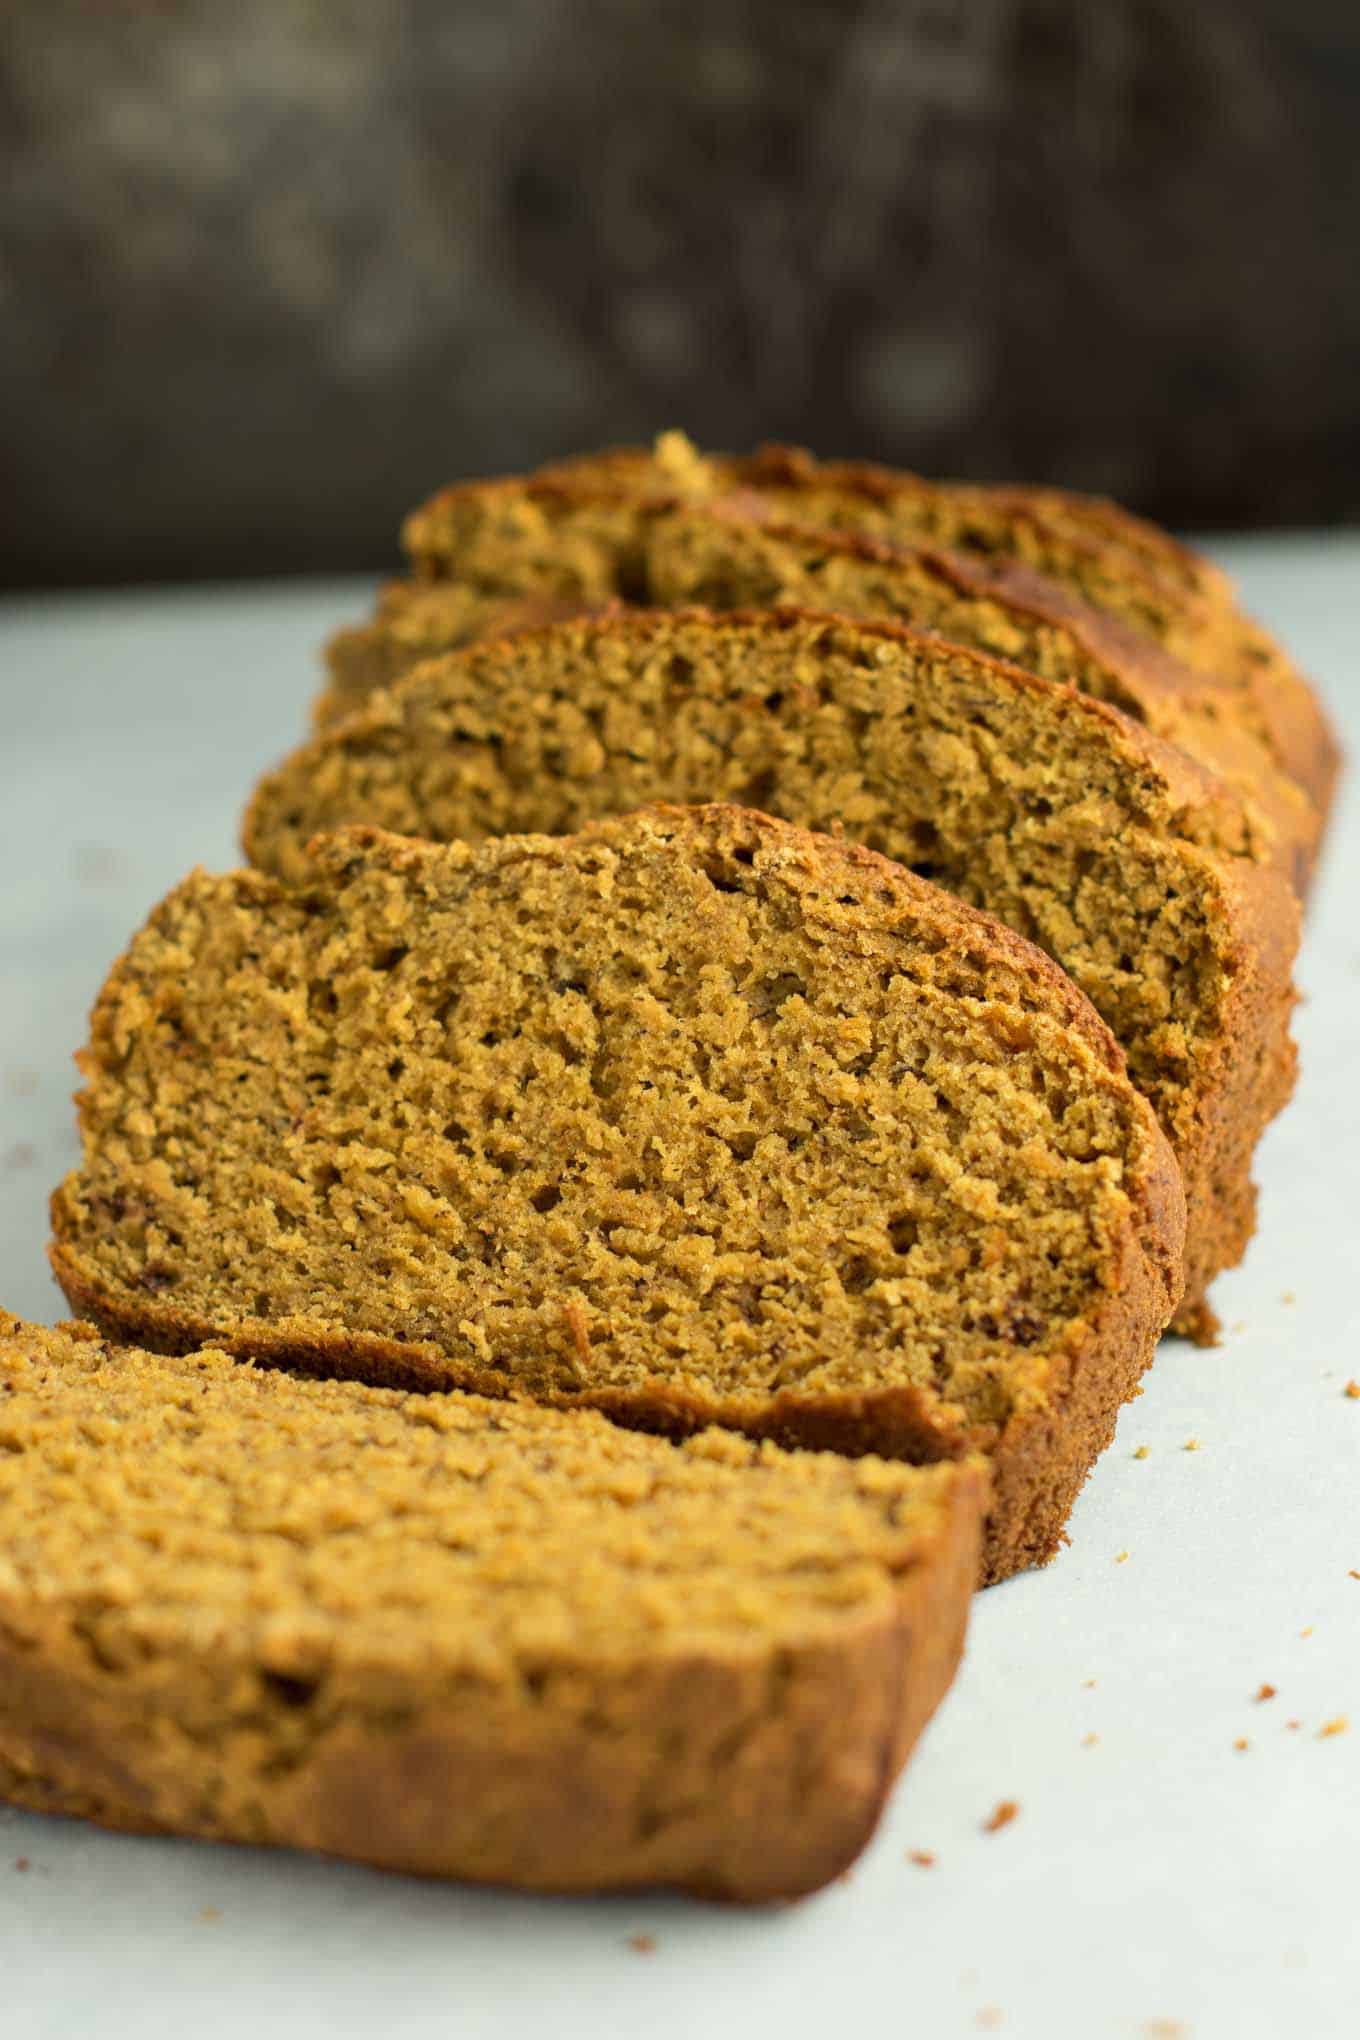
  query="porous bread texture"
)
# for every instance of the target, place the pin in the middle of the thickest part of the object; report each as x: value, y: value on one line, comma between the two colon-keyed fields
x: 464, y: 1638
x: 1047, y: 808
x: 484, y: 532
x: 695, y: 1118
x: 705, y: 557
x: 729, y: 558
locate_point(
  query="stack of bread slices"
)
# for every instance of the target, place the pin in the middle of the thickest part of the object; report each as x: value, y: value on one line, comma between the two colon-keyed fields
x: 746, y: 1020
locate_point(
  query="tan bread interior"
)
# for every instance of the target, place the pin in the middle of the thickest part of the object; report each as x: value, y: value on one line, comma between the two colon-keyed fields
x: 618, y: 1111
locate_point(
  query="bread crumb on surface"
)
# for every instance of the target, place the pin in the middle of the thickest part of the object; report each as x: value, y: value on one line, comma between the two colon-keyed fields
x: 642, y: 1944
x: 1191, y: 1445
x: 1241, y: 1743
x: 1120, y: 1557
x: 989, y: 2018
x: 209, y: 1913
x: 1265, y: 1691
x: 1166, y: 2029
x: 1142, y: 1452
x: 1001, y: 1815
x: 1308, y: 1631
x: 1336, y: 1726
x: 923, y: 1858
x: 1352, y: 1391
x: 1354, y: 1573
x: 1089, y: 1741
x: 1088, y: 1683
x: 22, y: 1863
x: 1293, y: 1724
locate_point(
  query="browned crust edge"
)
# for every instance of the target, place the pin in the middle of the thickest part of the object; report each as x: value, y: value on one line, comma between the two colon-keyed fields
x: 793, y: 1754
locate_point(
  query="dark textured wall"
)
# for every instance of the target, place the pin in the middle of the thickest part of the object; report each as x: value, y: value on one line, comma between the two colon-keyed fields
x: 271, y: 270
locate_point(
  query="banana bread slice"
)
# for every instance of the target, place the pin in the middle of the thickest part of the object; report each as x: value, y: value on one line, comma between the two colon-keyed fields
x: 694, y: 1118
x: 574, y: 531
x: 458, y: 1637
x: 1050, y: 809
x: 727, y: 557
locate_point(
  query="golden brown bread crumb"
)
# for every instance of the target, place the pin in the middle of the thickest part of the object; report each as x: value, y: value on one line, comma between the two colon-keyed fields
x: 1337, y: 1726
x: 1352, y: 1390
x: 1241, y: 1743
x: 1052, y: 811
x: 579, y: 530
x: 694, y: 1117
x: 454, y: 1636
x: 923, y: 1858
x: 1265, y: 1691
x: 1002, y: 1814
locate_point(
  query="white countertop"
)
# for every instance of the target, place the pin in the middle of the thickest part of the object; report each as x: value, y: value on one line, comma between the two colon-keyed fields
x: 1157, y: 1881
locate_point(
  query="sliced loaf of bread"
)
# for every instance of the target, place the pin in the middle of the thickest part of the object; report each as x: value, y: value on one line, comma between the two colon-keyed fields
x: 1048, y: 808
x: 457, y: 1637
x: 576, y: 531
x: 695, y: 1118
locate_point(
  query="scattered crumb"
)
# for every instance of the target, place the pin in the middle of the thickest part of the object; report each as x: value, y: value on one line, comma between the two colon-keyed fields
x: 22, y: 1863
x: 1288, y: 1296
x: 1265, y: 1691
x: 1241, y: 1743
x: 1352, y: 1391
x: 1001, y: 1815
x: 1353, y: 1574
x: 923, y: 1858
x: 209, y: 1913
x: 642, y: 1944
x: 21, y: 1156
x: 1308, y: 1631
x: 1191, y: 1445
x: 1336, y: 1726
x: 1088, y: 1742
x: 1141, y: 1453
x: 989, y: 2018
x: 1088, y: 1683
x: 1166, y: 2029
x: 1293, y: 1724
x: 1120, y: 1557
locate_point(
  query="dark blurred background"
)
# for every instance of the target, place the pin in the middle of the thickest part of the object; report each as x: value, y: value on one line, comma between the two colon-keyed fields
x: 272, y: 270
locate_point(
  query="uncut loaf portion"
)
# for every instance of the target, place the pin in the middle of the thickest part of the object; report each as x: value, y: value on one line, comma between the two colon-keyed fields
x: 1049, y: 809
x: 458, y: 1637
x: 577, y: 531
x: 724, y: 557
x: 695, y: 1118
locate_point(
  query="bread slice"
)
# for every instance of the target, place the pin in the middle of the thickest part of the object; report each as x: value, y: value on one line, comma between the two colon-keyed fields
x: 724, y: 557
x: 569, y: 530
x: 1050, y: 809
x: 695, y: 1118
x: 464, y: 1638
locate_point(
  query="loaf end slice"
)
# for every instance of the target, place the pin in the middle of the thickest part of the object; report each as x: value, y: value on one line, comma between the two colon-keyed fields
x: 457, y: 1637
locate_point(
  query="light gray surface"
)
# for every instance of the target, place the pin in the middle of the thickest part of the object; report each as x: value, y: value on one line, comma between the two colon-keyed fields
x: 1155, y: 1874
